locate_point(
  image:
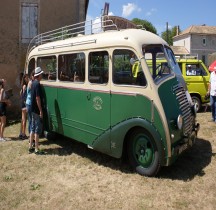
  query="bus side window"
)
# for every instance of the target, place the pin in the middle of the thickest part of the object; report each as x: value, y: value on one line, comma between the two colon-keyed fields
x: 98, y: 67
x: 127, y: 69
x: 48, y: 65
x: 71, y: 67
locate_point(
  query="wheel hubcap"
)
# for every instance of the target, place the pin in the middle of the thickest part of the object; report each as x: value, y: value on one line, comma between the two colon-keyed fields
x: 144, y: 151
x: 196, y: 104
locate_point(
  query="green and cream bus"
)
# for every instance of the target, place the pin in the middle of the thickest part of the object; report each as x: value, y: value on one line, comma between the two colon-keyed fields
x: 92, y: 95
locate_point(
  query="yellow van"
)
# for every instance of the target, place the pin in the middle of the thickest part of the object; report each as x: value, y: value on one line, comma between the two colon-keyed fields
x: 196, y: 76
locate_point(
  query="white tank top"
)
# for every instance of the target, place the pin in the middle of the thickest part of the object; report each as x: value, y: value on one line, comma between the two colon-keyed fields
x: 4, y: 95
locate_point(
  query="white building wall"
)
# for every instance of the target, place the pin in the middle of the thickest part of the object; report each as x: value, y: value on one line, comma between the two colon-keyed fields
x: 185, y: 42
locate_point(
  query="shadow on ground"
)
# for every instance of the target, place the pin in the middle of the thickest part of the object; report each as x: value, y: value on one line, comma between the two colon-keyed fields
x: 191, y: 163
x: 188, y: 165
x: 68, y: 146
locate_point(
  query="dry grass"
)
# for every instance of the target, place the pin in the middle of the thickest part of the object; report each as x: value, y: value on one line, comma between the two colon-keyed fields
x: 70, y: 176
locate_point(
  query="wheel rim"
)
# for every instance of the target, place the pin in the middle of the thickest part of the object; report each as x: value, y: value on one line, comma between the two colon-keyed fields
x: 196, y: 103
x: 143, y: 150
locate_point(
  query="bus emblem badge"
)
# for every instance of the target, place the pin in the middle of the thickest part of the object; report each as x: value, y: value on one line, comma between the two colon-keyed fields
x: 97, y: 103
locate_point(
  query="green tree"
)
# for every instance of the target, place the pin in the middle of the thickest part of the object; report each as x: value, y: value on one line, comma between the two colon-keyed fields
x: 168, y: 35
x: 145, y: 24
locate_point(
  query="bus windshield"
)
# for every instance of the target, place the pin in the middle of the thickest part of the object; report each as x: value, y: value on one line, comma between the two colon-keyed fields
x: 161, y: 62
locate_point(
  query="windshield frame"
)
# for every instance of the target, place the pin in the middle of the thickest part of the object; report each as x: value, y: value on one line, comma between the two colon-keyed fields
x: 173, y: 62
x: 161, y: 62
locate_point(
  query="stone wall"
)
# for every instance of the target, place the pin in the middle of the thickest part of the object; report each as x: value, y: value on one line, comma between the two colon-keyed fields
x: 51, y: 15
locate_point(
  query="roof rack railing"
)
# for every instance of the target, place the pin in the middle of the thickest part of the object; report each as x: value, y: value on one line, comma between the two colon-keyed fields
x: 87, y: 27
x: 141, y: 27
x: 97, y: 25
x: 187, y: 56
x: 191, y: 56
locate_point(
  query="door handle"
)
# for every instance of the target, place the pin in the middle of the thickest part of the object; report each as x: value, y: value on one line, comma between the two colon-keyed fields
x: 88, y: 96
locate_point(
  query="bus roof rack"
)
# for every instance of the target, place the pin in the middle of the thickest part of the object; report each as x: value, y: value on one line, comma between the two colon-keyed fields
x: 98, y: 25
x: 188, y: 56
x: 87, y: 27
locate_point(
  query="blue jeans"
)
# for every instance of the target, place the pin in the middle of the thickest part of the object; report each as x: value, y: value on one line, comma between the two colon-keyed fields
x: 29, y: 117
x: 213, y: 107
x: 36, y: 124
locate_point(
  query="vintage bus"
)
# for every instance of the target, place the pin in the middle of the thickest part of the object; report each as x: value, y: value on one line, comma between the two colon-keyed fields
x: 99, y: 90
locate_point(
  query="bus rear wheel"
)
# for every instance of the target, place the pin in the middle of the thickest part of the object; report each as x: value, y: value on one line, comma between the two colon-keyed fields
x: 143, y: 153
x: 50, y: 136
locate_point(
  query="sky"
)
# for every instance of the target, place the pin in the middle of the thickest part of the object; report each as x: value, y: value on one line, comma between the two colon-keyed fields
x: 184, y: 13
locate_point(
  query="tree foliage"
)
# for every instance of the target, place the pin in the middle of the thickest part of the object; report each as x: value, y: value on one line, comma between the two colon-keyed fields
x: 145, y: 24
x: 169, y: 34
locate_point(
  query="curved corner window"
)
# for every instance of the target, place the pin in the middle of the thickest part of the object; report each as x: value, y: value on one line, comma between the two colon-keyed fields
x: 160, y: 61
x: 127, y: 69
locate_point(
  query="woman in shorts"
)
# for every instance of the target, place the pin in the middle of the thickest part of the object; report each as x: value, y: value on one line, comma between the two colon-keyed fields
x: 23, y: 94
x: 3, y: 104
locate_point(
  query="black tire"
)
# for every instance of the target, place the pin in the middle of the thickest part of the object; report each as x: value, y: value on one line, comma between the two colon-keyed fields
x: 50, y: 136
x: 143, y: 152
x: 197, y: 102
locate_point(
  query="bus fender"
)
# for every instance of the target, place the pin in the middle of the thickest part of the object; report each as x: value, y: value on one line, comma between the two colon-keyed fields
x: 119, y: 132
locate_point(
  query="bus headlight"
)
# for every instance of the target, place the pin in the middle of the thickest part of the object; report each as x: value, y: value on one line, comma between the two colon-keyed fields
x: 179, y: 122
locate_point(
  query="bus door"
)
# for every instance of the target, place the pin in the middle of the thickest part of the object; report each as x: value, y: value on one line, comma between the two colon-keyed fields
x: 70, y: 107
x: 98, y: 98
x: 123, y: 103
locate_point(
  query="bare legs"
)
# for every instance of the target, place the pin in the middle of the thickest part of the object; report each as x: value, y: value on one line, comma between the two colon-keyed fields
x: 34, y: 137
x: 2, y: 125
x: 23, y: 122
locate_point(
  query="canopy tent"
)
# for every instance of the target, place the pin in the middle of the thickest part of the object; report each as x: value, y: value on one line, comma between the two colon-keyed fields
x: 212, y: 67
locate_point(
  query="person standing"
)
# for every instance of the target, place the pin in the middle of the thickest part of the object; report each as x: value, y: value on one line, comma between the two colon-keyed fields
x: 212, y: 93
x: 3, y: 103
x: 29, y: 101
x: 37, y: 112
x: 23, y: 94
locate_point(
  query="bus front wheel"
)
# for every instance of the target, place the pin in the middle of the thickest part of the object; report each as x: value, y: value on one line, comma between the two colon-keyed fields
x: 143, y: 152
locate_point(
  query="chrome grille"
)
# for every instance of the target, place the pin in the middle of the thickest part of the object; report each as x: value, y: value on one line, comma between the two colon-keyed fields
x: 185, y: 109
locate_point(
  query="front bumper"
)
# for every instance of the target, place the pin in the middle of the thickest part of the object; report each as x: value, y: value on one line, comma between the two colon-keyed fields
x: 185, y: 144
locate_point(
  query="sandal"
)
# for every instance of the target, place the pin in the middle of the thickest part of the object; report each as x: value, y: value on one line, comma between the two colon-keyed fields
x: 31, y: 150
x: 39, y: 152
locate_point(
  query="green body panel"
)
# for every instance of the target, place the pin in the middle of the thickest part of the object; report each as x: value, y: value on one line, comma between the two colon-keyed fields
x: 171, y: 107
x: 127, y: 106
x: 63, y: 110
x: 97, y: 115
x: 87, y: 116
x: 78, y: 114
x: 129, y: 111
x: 103, y: 119
x: 119, y: 132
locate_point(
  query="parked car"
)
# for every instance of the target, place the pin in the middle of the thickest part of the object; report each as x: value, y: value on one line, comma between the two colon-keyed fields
x: 196, y: 76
